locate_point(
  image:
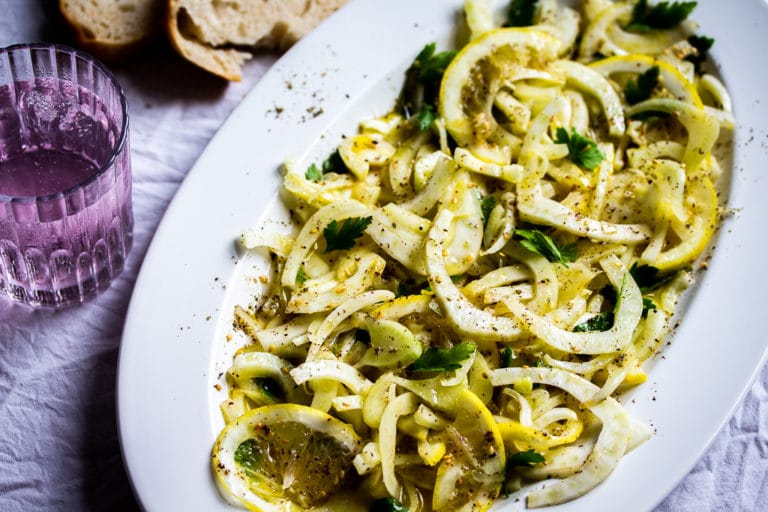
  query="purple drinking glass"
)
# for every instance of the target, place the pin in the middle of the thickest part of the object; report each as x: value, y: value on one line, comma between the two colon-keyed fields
x: 66, y: 220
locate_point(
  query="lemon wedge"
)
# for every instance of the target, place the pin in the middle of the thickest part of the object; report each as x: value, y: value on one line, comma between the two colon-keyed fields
x: 284, y: 457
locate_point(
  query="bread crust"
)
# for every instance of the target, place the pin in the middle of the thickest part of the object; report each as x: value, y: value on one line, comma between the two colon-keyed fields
x: 111, y: 51
x: 220, y: 37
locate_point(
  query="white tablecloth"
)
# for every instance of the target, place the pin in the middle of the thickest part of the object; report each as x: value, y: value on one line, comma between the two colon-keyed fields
x: 59, y: 448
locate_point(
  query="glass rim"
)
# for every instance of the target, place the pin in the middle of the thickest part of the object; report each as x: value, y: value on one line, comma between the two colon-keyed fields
x: 122, y: 137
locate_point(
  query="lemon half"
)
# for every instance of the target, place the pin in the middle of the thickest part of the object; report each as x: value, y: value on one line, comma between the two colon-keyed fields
x: 284, y: 457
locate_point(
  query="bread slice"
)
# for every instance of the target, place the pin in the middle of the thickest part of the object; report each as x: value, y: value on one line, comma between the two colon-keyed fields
x: 219, y: 35
x: 113, y: 30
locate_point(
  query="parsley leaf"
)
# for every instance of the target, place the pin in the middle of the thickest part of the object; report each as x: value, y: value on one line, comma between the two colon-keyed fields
x: 313, y: 173
x: 248, y: 456
x: 603, y: 320
x: 334, y: 163
x: 425, y: 117
x: 507, y: 355
x: 527, y: 458
x: 301, y: 276
x: 486, y: 206
x: 663, y: 15
x: 521, y: 13
x: 442, y: 360
x: 387, y: 505
x: 581, y: 150
x: 635, y: 92
x: 648, y: 277
x: 540, y: 243
x: 422, y: 85
x: 648, y: 305
x: 600, y: 322
x: 432, y: 65
x: 702, y: 45
x: 343, y: 236
x: 271, y: 388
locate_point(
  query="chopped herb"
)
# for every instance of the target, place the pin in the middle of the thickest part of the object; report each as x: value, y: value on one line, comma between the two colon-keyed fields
x: 540, y: 243
x: 334, y: 163
x: 270, y: 387
x: 521, y: 13
x: 313, y: 173
x: 603, y: 320
x: 581, y: 150
x: 387, y: 505
x: 648, y: 277
x: 425, y: 117
x: 432, y: 65
x: 702, y: 45
x: 664, y: 15
x: 301, y: 276
x: 648, y: 305
x: 600, y: 322
x: 527, y: 458
x: 247, y: 455
x: 507, y: 356
x: 418, y: 97
x: 343, y: 236
x: 443, y: 359
x: 487, y: 205
x: 635, y: 92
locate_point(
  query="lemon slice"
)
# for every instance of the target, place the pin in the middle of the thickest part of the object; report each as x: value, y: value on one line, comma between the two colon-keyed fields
x: 672, y: 79
x: 284, y: 457
x: 478, y: 70
x: 470, y: 475
x: 682, y: 242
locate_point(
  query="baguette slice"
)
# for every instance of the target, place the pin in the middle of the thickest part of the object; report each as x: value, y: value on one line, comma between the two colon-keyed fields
x: 113, y: 30
x: 219, y: 36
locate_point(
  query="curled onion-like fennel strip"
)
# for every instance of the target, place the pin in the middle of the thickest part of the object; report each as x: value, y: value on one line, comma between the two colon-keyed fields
x: 328, y: 291
x: 402, y: 405
x: 703, y: 129
x: 536, y: 208
x: 594, y: 83
x: 611, y: 443
x: 331, y: 369
x: 438, y: 183
x: 250, y: 365
x: 312, y: 231
x: 338, y: 315
x: 615, y: 339
x: 400, y: 233
x: 463, y: 315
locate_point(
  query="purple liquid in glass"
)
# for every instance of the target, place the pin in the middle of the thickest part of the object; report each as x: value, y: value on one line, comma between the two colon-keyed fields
x: 65, y: 179
x: 43, y: 172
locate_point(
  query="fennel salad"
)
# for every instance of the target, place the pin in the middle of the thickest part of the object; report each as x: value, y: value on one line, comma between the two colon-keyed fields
x: 477, y: 275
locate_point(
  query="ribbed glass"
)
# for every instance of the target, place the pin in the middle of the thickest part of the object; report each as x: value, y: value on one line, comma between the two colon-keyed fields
x: 66, y: 219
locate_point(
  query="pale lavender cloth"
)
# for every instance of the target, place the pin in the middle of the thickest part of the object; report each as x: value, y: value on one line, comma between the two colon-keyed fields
x: 59, y: 448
